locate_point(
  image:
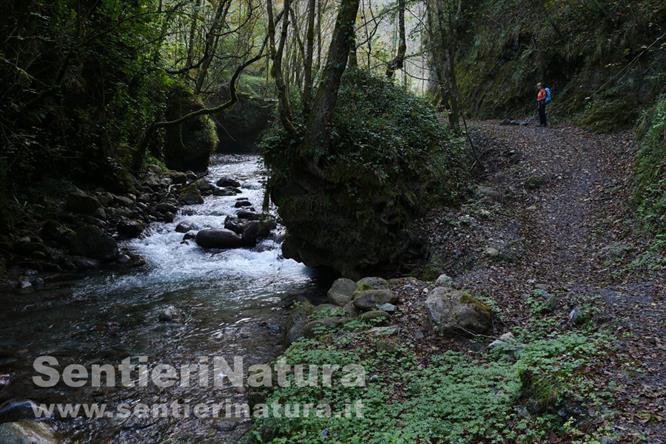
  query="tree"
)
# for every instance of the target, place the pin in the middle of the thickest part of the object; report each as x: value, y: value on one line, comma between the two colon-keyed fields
x: 316, y: 136
x: 444, y: 17
x: 399, y: 60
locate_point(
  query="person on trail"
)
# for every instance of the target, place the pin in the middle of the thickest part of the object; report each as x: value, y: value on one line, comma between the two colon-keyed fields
x: 542, y: 95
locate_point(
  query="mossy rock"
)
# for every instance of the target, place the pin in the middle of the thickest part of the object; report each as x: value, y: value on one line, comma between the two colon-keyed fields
x: 375, y: 316
x: 355, y: 207
x: 457, y: 312
x: 188, y: 146
x: 539, y: 392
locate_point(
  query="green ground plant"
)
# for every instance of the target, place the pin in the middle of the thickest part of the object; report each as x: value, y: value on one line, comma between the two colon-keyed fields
x: 523, y: 393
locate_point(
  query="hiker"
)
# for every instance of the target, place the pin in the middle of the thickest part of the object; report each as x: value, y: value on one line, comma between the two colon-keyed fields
x: 542, y: 96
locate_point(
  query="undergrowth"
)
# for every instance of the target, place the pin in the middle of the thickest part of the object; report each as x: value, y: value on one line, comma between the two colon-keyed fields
x: 532, y: 389
x: 651, y: 173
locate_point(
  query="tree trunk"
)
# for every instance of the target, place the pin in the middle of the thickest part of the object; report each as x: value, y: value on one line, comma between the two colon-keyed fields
x: 284, y: 107
x: 353, y: 57
x: 317, y: 137
x: 309, y: 52
x: 399, y: 61
x: 196, y: 9
x: 211, y: 42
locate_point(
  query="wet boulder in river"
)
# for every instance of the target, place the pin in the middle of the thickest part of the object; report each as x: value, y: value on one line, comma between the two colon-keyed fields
x: 224, y: 192
x: 190, y: 195
x: 243, y: 203
x: 130, y: 228
x: 225, y: 181
x: 248, y: 215
x: 256, y: 230
x: 205, y: 188
x: 184, y: 227
x: 221, y: 238
x: 235, y: 224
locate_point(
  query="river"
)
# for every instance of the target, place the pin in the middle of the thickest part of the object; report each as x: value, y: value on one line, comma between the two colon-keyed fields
x: 222, y: 303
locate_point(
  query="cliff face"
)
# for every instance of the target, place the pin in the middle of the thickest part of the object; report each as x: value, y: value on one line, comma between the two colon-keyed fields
x: 604, y: 60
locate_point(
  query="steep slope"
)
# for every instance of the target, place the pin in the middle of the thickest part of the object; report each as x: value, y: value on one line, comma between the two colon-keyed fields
x: 605, y: 60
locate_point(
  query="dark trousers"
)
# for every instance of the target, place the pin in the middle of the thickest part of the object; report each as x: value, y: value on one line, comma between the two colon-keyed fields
x: 542, y: 113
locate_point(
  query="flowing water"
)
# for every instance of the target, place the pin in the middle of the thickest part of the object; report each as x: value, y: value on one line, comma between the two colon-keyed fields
x: 227, y: 303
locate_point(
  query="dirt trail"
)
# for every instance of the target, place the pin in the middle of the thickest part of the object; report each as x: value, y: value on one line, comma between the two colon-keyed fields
x: 555, y: 213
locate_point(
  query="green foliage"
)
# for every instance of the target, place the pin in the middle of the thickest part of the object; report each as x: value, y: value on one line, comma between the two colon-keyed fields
x: 606, y: 113
x: 453, y: 398
x: 651, y: 172
x: 79, y: 86
x: 389, y: 161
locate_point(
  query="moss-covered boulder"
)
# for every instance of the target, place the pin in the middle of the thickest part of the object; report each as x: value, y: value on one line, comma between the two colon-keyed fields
x: 188, y: 146
x: 388, y: 163
x: 456, y: 312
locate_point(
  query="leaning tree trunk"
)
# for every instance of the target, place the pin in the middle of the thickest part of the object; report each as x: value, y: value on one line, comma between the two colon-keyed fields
x: 316, y: 136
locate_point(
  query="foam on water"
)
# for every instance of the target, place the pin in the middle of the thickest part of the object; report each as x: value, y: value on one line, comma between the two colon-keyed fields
x: 174, y: 264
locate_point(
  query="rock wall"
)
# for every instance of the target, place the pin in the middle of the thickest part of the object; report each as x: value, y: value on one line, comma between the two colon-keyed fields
x: 240, y: 128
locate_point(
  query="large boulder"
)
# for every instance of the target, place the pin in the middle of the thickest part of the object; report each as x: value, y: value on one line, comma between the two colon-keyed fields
x: 256, y: 230
x: 312, y: 328
x: 372, y: 283
x: 235, y: 224
x: 226, y: 181
x: 342, y: 291
x: 456, y: 312
x: 388, y: 163
x: 188, y: 146
x: 220, y: 238
x: 371, y: 299
x: 190, y: 195
x: 90, y: 241
x: 298, y: 318
x: 129, y: 229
